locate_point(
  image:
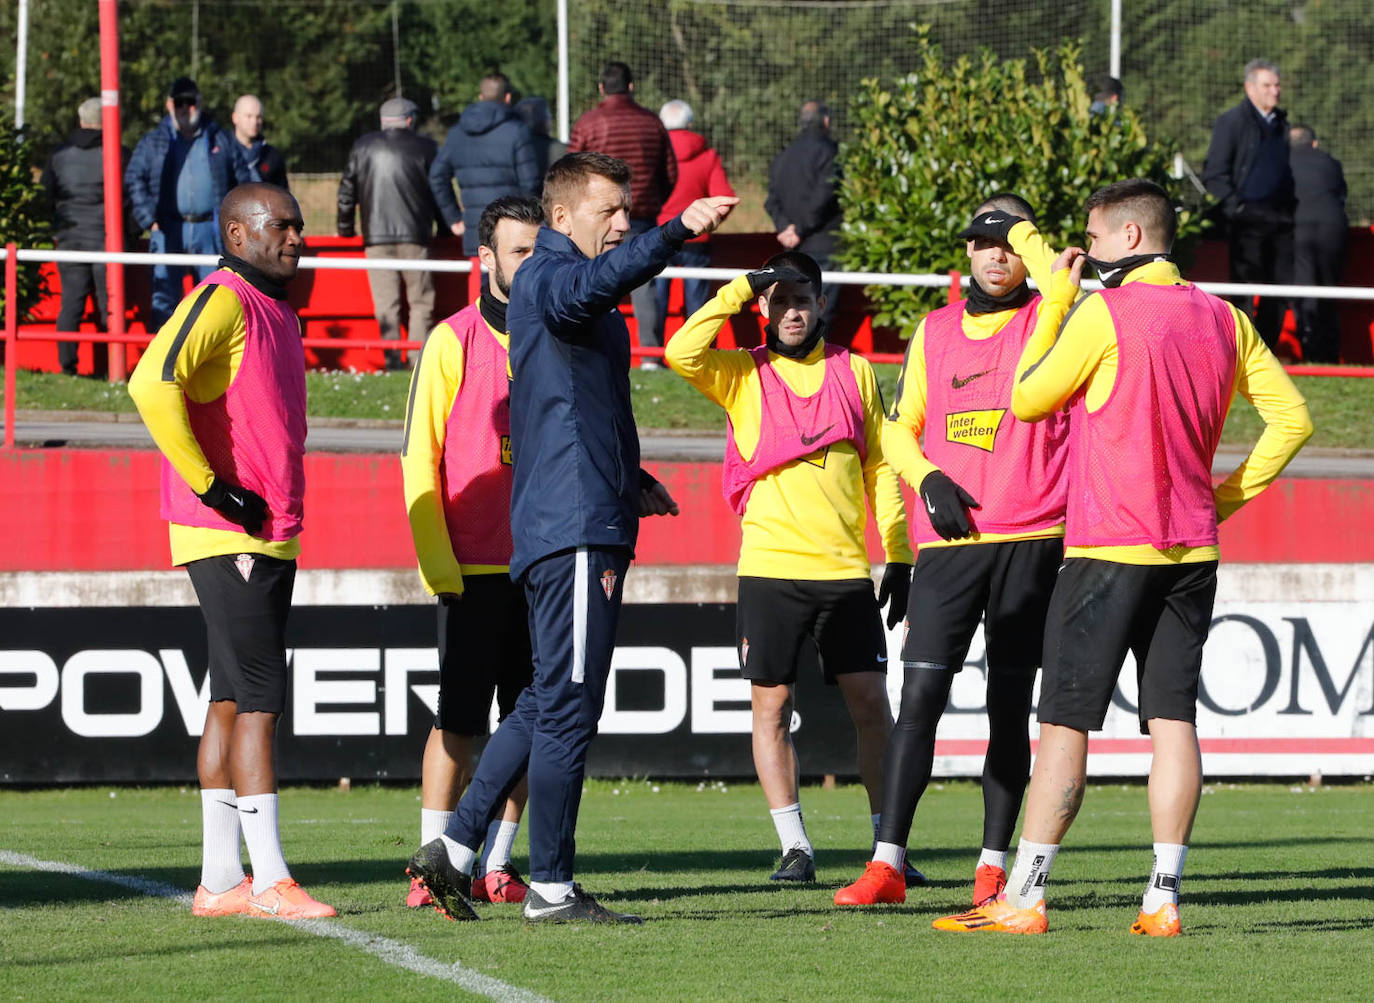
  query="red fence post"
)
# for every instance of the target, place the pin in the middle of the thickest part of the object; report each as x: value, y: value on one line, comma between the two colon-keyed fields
x: 955, y: 293
x: 11, y: 332
x: 113, y: 180
x: 474, y: 279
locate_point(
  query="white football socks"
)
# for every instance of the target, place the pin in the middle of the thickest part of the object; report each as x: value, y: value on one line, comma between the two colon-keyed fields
x: 889, y: 853
x: 460, y: 856
x: 552, y: 892
x: 791, y: 829
x: 258, y: 816
x: 993, y: 858
x: 221, y: 865
x: 432, y: 824
x: 1165, y: 878
x: 1030, y: 874
x: 500, y: 839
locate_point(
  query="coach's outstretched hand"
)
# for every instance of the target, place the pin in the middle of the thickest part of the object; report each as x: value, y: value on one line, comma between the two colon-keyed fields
x: 947, y: 504
x: 237, y: 504
x: 704, y: 215
x: 995, y: 224
x: 762, y: 278
x: 654, y: 498
x: 893, y: 591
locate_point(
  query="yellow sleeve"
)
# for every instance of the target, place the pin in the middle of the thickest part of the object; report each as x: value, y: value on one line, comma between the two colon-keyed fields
x: 433, y: 388
x: 1261, y: 380
x: 907, y: 421
x: 718, y: 375
x: 195, y: 354
x: 880, y: 480
x: 1035, y: 251
x: 1053, y: 368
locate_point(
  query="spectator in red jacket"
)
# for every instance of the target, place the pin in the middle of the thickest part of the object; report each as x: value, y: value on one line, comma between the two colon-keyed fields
x: 699, y: 174
x: 620, y: 127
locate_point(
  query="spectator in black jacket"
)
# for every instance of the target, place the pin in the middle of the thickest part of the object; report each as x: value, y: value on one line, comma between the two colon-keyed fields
x: 74, y: 179
x: 534, y: 112
x: 387, y: 179
x: 1247, y: 172
x: 1319, y: 234
x: 264, y: 162
x: 491, y: 153
x: 803, y: 195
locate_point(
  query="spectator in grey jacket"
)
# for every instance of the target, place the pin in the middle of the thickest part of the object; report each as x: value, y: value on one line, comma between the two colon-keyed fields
x: 491, y: 153
x: 1319, y: 236
x: 75, y: 181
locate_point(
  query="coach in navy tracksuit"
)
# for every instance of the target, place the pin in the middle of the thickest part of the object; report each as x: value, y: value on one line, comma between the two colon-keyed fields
x: 577, y: 495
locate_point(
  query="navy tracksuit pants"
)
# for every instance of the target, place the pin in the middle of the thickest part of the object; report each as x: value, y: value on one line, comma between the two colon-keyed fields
x: 574, y: 600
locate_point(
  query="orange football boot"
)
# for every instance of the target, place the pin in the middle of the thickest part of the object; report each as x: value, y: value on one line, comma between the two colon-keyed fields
x: 418, y: 895
x: 880, y: 883
x: 997, y: 917
x: 1163, y: 922
x: 988, y: 882
x: 288, y: 900
x: 228, y: 903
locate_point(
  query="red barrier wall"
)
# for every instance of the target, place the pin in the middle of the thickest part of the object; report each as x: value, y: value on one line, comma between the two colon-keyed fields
x: 338, y: 304
x: 75, y: 509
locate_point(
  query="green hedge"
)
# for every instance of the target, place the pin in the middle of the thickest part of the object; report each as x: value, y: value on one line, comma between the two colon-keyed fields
x: 25, y: 213
x: 929, y: 146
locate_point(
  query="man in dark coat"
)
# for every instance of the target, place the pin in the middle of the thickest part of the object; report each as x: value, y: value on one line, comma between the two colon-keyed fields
x: 1247, y: 172
x: 262, y: 159
x: 803, y: 195
x: 75, y: 181
x: 1319, y: 234
x: 491, y: 153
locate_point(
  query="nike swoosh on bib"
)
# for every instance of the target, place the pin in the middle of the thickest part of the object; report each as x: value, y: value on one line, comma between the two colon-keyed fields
x: 956, y: 383
x: 810, y: 440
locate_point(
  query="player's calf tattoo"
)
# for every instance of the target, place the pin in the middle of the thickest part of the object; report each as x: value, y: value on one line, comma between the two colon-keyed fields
x: 1070, y: 800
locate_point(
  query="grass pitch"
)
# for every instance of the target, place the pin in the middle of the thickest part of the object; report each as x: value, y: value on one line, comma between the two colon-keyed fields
x: 1277, y: 903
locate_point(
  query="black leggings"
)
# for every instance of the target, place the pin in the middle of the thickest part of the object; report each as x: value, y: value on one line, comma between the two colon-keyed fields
x: 911, y: 752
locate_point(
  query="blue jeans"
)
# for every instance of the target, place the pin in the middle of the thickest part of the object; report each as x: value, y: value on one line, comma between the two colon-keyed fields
x: 178, y: 237
x: 693, y: 290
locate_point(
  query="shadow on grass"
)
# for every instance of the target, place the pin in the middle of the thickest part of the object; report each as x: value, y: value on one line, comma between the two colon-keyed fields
x: 233, y: 941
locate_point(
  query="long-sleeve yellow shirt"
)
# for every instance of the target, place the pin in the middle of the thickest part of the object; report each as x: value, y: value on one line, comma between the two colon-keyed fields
x: 905, y: 425
x: 805, y: 520
x: 204, y: 340
x: 1084, y: 355
x: 433, y: 389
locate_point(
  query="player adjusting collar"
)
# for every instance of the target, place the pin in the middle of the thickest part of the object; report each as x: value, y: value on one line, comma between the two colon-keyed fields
x: 1112, y: 272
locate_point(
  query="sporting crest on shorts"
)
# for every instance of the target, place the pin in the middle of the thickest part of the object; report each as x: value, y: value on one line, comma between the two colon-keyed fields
x: 608, y: 582
x: 244, y: 562
x: 744, y: 652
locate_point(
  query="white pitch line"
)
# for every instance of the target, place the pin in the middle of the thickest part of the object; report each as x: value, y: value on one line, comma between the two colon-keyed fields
x: 392, y: 952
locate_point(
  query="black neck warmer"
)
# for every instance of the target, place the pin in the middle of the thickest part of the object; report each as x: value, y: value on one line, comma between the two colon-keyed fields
x: 254, y: 276
x: 1112, y: 272
x: 775, y: 344
x: 493, y: 311
x: 981, y: 301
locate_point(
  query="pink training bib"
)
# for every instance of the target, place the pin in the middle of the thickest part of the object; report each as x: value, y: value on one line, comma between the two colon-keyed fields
x: 1141, y: 465
x: 254, y: 433
x: 793, y: 426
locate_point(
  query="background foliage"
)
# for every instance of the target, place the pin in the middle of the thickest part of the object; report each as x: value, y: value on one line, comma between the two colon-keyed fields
x: 25, y: 215
x: 925, y: 149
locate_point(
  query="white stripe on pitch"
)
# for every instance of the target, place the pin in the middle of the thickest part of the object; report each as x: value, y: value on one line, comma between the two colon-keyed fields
x: 392, y: 952
x: 579, y: 665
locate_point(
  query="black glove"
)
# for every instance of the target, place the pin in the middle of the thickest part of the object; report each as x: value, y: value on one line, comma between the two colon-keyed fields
x: 239, y: 505
x: 946, y: 504
x: 995, y: 224
x: 893, y: 591
x: 765, y: 277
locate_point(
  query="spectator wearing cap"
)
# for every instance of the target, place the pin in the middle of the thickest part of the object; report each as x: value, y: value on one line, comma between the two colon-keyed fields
x: 1107, y: 94
x: 387, y: 182
x: 534, y: 112
x: 621, y: 127
x: 177, y: 177
x: 264, y: 160
x: 75, y: 182
x: 490, y: 153
x: 700, y: 174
